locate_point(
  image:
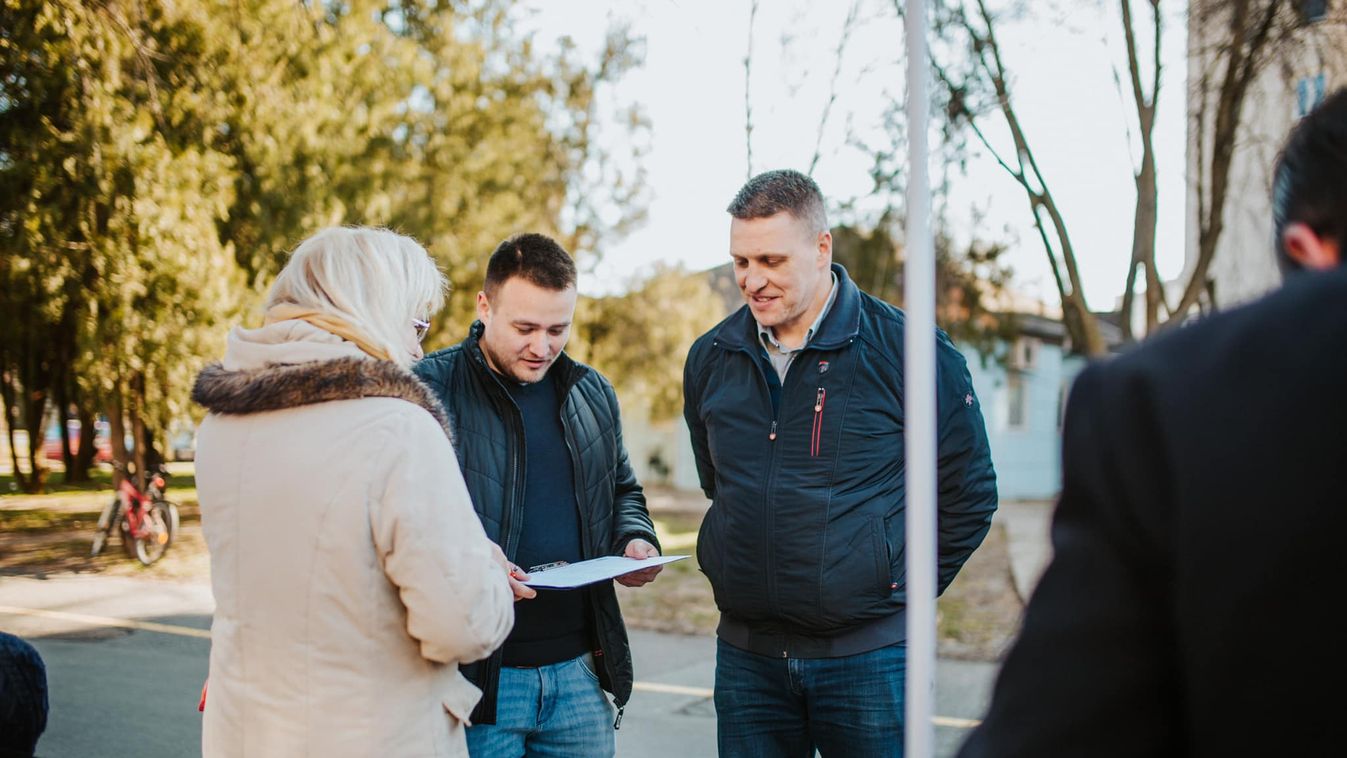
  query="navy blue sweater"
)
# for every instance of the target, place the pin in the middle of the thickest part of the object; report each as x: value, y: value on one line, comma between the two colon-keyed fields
x: 551, y: 627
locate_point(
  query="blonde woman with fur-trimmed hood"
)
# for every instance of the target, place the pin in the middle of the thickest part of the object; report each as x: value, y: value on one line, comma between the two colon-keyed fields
x: 351, y: 575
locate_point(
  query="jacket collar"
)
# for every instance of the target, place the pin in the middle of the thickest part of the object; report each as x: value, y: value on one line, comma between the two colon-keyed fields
x: 842, y: 324
x: 570, y: 369
x: 279, y: 386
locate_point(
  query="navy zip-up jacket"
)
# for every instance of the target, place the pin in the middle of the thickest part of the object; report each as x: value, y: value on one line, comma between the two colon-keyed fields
x: 804, y: 541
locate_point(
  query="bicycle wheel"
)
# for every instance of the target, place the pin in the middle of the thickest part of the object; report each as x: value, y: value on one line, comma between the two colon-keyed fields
x: 106, y: 522
x: 158, y: 529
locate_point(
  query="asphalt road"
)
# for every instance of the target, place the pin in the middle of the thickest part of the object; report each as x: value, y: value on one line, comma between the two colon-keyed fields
x: 119, y: 691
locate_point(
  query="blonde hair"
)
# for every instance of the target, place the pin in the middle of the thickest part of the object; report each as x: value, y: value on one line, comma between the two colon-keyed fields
x: 374, y: 279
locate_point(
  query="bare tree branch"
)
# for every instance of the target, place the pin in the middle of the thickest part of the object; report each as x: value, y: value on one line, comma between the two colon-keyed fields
x: 1245, y: 53
x: 1088, y: 338
x: 847, y: 25
x: 748, y: 80
x: 1145, y: 215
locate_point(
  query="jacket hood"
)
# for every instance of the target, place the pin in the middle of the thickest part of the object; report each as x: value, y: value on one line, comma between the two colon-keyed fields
x: 278, y: 386
x: 289, y: 341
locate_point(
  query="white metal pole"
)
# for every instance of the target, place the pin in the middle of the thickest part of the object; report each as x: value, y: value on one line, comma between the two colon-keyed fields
x: 919, y: 399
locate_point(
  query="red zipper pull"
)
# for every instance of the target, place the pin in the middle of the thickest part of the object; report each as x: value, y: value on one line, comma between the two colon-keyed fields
x: 818, y: 402
x: 772, y: 434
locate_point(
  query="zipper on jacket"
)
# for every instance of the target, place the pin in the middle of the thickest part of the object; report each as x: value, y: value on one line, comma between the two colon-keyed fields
x: 773, y: 459
x: 601, y: 668
x: 816, y: 436
x: 592, y: 605
x: 508, y: 526
x: 769, y: 522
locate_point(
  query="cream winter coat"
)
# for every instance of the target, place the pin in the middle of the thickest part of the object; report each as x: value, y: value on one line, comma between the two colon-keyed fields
x: 351, y: 575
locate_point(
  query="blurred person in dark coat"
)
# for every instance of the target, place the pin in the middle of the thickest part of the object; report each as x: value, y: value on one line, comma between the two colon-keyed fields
x: 23, y: 697
x: 1191, y: 607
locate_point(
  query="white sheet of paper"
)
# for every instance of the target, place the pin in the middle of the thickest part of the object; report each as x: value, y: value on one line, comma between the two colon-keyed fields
x: 596, y: 570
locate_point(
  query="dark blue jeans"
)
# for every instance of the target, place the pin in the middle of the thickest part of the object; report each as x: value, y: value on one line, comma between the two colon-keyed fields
x: 786, y: 707
x: 556, y: 711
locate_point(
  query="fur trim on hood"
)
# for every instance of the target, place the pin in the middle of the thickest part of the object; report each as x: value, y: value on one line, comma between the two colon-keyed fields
x: 280, y: 385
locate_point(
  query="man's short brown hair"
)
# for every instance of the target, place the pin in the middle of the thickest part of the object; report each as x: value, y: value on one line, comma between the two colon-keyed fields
x: 772, y: 192
x: 535, y: 257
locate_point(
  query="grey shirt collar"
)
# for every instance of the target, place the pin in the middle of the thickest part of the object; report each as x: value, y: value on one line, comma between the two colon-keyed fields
x: 780, y: 356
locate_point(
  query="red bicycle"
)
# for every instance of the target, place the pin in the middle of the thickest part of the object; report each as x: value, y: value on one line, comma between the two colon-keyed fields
x: 146, y: 521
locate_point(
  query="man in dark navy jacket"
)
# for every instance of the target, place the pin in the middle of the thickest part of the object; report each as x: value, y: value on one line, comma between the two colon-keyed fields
x: 1191, y: 606
x: 795, y: 404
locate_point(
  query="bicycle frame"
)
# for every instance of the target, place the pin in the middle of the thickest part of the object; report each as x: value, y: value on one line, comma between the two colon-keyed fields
x: 135, y: 503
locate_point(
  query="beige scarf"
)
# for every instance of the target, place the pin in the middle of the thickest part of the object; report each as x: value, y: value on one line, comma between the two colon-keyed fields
x: 328, y: 323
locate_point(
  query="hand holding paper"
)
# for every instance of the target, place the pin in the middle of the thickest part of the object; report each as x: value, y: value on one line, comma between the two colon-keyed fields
x: 597, y: 570
x: 640, y: 550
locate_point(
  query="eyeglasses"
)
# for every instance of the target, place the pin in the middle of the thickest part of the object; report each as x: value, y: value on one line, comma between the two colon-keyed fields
x: 421, y: 327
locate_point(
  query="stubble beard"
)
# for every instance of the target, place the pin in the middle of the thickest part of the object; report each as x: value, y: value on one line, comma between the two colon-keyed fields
x: 510, y: 368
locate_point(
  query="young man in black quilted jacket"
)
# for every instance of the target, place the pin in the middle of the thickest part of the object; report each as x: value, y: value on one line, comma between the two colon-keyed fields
x: 539, y: 439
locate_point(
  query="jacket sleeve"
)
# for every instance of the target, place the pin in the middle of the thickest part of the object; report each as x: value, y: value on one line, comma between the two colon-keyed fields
x: 433, y: 549
x: 1094, y: 670
x: 966, y: 481
x: 631, y: 518
x: 701, y: 450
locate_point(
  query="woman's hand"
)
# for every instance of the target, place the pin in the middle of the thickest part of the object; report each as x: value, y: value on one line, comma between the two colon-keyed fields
x: 516, y: 575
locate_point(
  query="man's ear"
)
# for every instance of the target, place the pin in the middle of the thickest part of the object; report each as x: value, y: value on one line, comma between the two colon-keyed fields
x: 825, y: 247
x: 483, y: 307
x: 1309, y: 250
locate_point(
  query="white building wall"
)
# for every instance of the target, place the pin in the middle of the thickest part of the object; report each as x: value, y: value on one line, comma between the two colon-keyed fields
x: 1244, y: 266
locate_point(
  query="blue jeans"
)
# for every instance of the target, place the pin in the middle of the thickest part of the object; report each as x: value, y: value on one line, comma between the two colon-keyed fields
x: 556, y: 711
x: 785, y: 707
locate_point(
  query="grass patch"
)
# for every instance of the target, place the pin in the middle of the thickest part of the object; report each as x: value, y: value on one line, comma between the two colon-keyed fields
x: 978, y: 615
x: 36, y: 520
x: 100, y: 479
x: 680, y: 600
x: 976, y: 618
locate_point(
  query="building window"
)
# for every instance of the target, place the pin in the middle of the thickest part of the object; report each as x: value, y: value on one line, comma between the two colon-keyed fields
x: 1313, y: 10
x: 1309, y: 93
x: 1023, y: 354
x: 1017, y: 401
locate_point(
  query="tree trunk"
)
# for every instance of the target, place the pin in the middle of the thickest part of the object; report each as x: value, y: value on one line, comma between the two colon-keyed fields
x: 84, y: 457
x: 8, y: 394
x: 61, y: 403
x: 1143, y: 238
x: 137, y: 418
x: 35, y: 411
x: 1244, y: 55
x: 1143, y: 224
x: 117, y: 430
x: 1128, y: 297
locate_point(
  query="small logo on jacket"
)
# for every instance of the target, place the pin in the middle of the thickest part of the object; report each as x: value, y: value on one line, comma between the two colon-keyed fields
x: 968, y: 400
x: 823, y: 367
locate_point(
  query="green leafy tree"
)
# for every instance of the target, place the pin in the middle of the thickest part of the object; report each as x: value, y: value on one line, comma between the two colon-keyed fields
x: 158, y: 159
x: 114, y: 202
x: 639, y: 340
x: 968, y: 280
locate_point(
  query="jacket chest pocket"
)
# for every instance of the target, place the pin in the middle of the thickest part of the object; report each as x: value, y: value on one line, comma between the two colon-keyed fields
x: 814, y: 415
